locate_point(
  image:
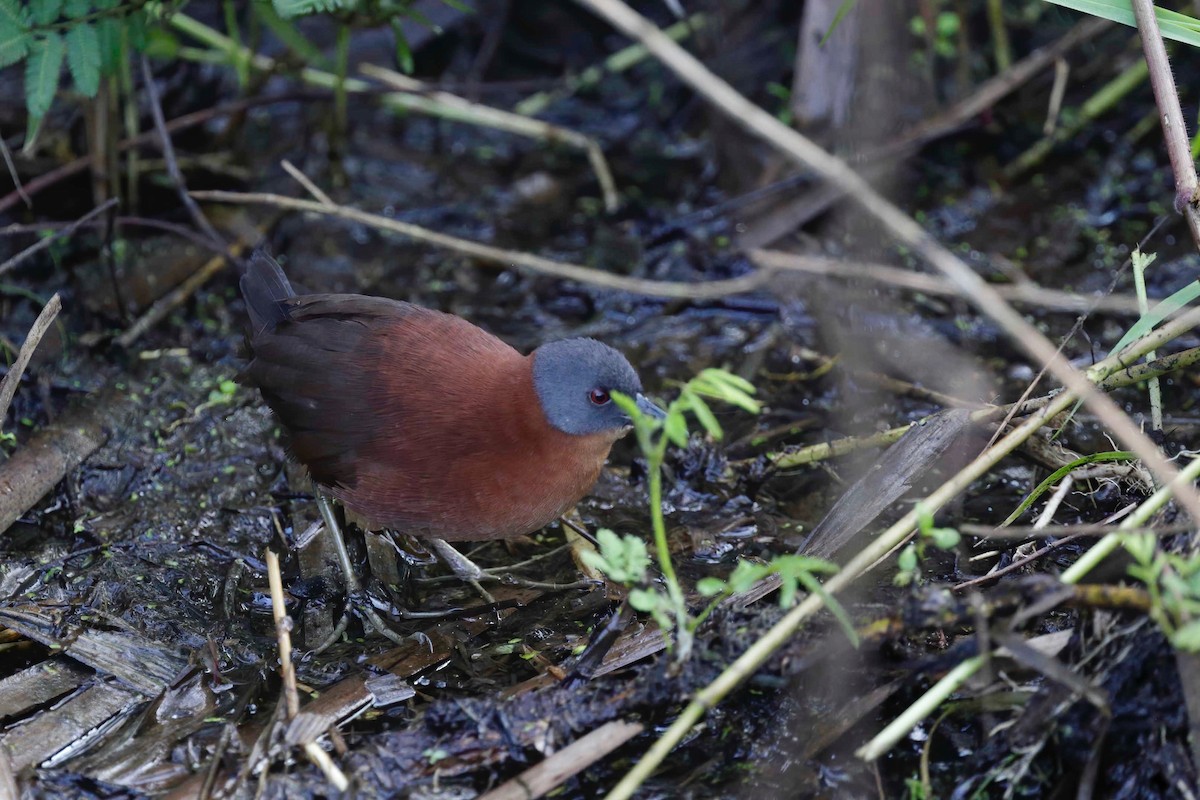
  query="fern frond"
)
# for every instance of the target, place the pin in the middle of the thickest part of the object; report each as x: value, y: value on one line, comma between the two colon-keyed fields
x: 83, y: 57
x: 41, y: 73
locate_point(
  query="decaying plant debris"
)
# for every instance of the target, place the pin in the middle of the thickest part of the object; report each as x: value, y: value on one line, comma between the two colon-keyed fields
x: 853, y: 245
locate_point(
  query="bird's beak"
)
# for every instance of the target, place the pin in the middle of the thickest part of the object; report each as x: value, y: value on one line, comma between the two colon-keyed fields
x: 648, y: 407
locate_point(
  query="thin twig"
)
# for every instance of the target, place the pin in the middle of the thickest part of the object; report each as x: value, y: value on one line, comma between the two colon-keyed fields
x: 1187, y: 185
x: 168, y: 151
x: 49, y: 240
x: 548, y: 775
x: 1017, y: 564
x: 308, y: 185
x: 8, y: 386
x: 283, y: 633
x: 707, y: 290
x: 1058, y: 91
x: 12, y: 172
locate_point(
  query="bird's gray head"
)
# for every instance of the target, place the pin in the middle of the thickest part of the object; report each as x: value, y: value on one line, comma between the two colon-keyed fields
x: 574, y: 380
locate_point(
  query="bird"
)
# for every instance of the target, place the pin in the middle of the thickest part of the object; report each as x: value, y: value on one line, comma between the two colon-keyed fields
x: 419, y: 421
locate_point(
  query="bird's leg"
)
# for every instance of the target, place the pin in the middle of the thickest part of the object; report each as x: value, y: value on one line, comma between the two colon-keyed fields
x: 355, y: 597
x: 466, y: 569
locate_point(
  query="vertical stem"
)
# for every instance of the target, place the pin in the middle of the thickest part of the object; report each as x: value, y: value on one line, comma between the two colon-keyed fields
x: 1166, y: 97
x: 656, y: 518
x: 1000, y: 43
x: 1139, y: 282
x: 283, y: 634
x: 241, y: 63
x: 683, y: 630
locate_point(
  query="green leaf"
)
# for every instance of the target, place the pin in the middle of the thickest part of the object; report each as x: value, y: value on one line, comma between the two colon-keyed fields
x: 1059, y: 474
x: 83, y: 57
x: 658, y: 606
x: 676, y: 429
x: 845, y: 8
x: 594, y: 560
x: 14, y: 13
x: 74, y: 9
x: 161, y: 44
x: 45, y: 11
x: 836, y: 608
x: 727, y: 387
x: 746, y: 574
x: 646, y: 600
x: 1161, y: 310
x: 907, y: 559
x: 706, y: 417
x: 41, y: 73
x: 32, y: 128
x: 14, y: 44
x: 710, y: 586
x: 1171, y: 24
x: 945, y: 538
x: 1188, y: 637
x: 623, y: 559
x: 726, y: 377
x: 404, y: 56
x: 298, y: 8
x: 14, y: 33
x: 290, y: 35
x: 627, y: 404
x: 1141, y: 546
x: 135, y: 27
x: 108, y: 38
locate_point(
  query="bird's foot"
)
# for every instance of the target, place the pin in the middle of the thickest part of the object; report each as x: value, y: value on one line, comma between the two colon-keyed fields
x: 358, y: 604
x: 471, y: 573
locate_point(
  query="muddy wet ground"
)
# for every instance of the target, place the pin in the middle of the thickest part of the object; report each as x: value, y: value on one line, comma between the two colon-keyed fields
x: 137, y: 617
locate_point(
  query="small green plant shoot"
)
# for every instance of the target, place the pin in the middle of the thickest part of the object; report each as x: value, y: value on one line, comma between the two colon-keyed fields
x: 908, y: 562
x: 1173, y: 583
x: 625, y: 559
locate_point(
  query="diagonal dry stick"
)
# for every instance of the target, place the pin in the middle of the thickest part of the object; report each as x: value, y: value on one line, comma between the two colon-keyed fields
x: 902, y: 227
x: 283, y: 632
x: 550, y: 774
x: 8, y: 386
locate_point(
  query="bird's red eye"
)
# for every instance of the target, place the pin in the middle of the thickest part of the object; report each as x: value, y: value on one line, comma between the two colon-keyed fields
x: 598, y: 397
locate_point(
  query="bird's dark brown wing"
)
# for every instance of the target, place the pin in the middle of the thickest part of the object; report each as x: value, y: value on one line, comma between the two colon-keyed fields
x: 315, y: 365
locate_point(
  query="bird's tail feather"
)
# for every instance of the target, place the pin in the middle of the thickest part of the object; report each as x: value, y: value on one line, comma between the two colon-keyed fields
x: 265, y: 287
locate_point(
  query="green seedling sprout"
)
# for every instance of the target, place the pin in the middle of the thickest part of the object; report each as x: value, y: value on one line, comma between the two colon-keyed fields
x: 908, y: 568
x: 1172, y: 582
x: 625, y: 559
